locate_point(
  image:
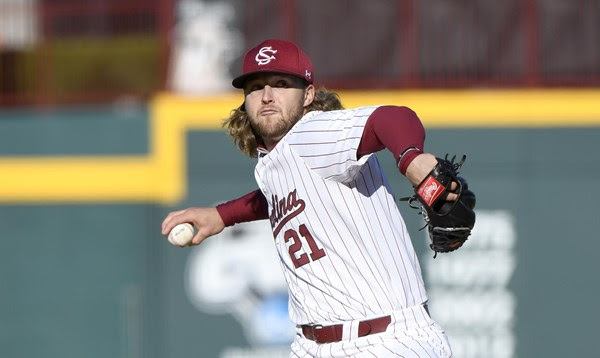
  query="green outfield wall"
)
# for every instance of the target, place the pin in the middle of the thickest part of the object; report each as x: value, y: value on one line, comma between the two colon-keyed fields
x: 84, y: 271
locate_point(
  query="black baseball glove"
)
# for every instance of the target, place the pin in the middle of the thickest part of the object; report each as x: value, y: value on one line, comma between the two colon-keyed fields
x: 449, y: 222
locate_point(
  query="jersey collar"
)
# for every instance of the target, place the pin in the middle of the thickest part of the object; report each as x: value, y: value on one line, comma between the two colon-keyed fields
x: 262, y: 150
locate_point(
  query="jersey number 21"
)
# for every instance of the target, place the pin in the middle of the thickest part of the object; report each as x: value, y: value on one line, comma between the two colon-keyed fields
x: 314, y: 251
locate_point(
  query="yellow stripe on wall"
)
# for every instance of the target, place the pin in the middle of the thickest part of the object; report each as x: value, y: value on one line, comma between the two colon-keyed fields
x: 161, y: 177
x: 492, y: 108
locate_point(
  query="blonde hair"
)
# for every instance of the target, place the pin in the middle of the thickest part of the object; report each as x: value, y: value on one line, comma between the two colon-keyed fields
x: 243, y: 135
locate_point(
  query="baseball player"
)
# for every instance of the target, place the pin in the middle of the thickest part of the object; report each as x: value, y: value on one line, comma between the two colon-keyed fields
x: 355, y: 284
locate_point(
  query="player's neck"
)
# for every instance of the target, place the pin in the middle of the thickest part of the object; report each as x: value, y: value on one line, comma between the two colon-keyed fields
x: 271, y: 143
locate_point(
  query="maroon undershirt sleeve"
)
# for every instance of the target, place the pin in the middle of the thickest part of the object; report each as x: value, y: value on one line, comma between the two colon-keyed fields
x: 250, y: 207
x: 397, y: 129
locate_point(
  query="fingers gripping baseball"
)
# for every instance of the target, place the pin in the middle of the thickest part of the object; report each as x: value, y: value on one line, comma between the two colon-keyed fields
x: 206, y: 221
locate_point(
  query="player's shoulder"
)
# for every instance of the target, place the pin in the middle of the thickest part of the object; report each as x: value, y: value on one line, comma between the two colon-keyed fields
x: 340, y: 113
x: 330, y: 121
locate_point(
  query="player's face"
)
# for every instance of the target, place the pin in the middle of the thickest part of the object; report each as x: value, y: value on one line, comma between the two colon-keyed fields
x: 274, y: 103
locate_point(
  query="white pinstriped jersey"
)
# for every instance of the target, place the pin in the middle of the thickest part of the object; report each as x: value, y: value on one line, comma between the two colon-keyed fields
x: 342, y: 243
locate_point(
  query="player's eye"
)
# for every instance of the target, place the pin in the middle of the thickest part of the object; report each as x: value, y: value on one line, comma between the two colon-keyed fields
x: 254, y: 88
x: 282, y: 84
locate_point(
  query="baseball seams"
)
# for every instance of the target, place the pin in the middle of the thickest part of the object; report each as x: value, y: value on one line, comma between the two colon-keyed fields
x: 343, y: 245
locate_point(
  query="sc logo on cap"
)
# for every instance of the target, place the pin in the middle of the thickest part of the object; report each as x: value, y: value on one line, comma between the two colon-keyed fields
x: 265, y: 55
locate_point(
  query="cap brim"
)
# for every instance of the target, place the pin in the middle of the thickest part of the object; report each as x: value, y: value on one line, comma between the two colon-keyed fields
x: 239, y: 81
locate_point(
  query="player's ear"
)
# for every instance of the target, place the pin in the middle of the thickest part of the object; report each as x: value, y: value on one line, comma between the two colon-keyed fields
x: 309, y: 95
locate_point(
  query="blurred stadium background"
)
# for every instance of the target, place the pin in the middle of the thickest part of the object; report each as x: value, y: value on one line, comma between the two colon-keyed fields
x: 57, y: 52
x: 110, y: 116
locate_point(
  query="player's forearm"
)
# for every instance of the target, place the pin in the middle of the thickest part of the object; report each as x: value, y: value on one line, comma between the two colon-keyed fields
x: 250, y: 207
x: 396, y: 128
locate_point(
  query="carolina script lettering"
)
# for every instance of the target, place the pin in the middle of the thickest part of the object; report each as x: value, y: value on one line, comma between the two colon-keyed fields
x: 284, y: 209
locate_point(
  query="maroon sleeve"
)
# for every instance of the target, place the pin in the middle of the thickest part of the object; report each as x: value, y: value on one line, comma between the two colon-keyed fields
x: 397, y: 129
x: 250, y: 207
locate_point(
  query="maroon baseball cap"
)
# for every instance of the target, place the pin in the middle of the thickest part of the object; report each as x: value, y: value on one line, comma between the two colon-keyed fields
x: 277, y: 56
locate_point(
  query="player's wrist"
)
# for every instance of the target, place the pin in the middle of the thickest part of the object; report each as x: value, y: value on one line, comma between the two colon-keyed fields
x: 406, y: 157
x: 226, y: 213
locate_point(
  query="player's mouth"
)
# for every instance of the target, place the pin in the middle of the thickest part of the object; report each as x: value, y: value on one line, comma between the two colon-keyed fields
x: 267, y: 112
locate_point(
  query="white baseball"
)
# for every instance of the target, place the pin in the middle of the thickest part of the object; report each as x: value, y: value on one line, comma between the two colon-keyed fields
x: 182, y: 234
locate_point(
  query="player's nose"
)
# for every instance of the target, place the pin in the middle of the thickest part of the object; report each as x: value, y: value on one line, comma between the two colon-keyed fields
x: 267, y: 94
